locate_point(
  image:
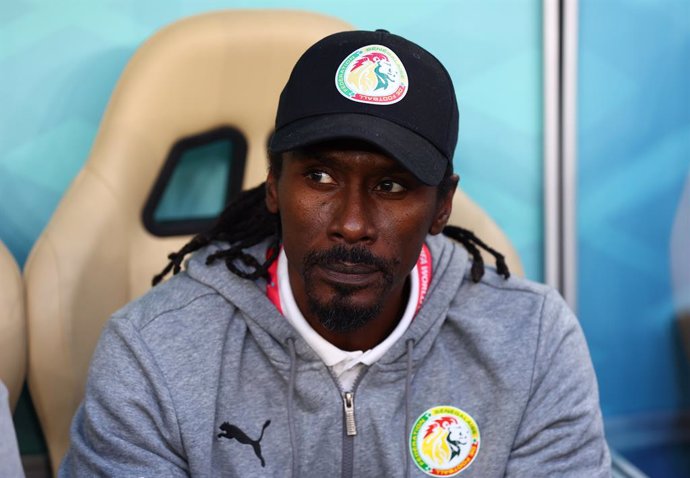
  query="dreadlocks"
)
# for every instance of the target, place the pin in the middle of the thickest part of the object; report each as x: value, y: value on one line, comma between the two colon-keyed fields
x: 246, y: 222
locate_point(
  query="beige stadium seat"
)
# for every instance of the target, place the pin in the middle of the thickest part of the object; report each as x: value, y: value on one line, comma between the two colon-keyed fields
x: 221, y: 68
x: 466, y: 213
x: 95, y: 255
x: 12, y: 326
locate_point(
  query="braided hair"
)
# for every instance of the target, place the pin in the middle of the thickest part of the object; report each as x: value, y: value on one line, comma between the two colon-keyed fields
x: 246, y: 222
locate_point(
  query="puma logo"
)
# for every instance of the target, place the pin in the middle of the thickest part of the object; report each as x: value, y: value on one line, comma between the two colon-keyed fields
x: 231, y: 431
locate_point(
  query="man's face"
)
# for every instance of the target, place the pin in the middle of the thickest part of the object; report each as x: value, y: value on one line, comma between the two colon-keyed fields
x: 353, y: 224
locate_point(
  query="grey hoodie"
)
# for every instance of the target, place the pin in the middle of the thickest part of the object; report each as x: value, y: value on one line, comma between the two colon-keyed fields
x: 203, y: 377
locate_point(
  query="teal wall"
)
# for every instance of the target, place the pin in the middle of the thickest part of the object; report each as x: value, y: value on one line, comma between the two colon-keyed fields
x: 60, y: 61
x: 634, y: 163
x: 633, y: 160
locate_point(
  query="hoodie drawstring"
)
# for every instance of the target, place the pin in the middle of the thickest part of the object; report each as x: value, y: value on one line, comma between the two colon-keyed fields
x: 290, y: 404
x: 291, y: 394
x: 408, y: 387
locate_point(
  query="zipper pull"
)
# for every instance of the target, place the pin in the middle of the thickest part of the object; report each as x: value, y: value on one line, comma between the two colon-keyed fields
x: 349, y: 402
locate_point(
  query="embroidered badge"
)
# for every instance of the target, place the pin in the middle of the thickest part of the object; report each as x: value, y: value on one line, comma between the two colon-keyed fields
x: 444, y: 441
x: 372, y: 74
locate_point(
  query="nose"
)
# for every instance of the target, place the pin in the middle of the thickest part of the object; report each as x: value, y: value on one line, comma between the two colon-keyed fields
x: 352, y: 218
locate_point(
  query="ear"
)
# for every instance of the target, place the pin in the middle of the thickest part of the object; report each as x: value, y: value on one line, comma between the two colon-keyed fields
x: 444, y: 208
x: 272, y: 192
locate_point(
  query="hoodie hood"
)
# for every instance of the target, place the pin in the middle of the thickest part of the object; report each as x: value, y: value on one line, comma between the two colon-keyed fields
x: 268, y: 326
x: 206, y: 357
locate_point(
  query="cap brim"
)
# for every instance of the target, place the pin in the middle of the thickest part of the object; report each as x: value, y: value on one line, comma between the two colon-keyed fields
x: 414, y: 152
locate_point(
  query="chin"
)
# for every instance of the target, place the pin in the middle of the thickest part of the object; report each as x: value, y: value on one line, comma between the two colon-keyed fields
x: 344, y: 308
x: 342, y: 315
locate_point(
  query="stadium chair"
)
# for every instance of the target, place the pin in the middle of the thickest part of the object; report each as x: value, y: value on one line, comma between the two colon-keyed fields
x: 12, y: 327
x: 196, y: 77
x: 468, y: 214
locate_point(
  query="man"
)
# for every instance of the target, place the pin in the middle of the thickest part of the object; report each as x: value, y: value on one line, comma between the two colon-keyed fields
x: 326, y: 327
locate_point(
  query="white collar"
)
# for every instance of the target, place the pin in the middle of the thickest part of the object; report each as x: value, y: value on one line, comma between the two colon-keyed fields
x: 329, y: 353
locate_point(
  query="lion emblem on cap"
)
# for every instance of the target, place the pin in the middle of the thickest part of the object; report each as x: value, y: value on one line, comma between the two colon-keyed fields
x: 373, y: 72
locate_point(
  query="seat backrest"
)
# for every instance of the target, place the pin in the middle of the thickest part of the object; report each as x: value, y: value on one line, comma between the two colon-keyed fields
x: 95, y: 255
x: 12, y: 326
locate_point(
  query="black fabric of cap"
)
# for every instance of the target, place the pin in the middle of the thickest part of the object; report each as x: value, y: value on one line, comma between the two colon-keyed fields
x: 420, y: 130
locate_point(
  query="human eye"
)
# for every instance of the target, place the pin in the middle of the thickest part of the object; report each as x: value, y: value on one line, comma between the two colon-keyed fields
x: 320, y: 177
x: 390, y: 186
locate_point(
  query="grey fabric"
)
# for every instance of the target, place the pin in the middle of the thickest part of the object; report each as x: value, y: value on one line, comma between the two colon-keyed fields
x: 10, y: 461
x: 207, y: 347
x: 408, y: 387
x: 291, y: 409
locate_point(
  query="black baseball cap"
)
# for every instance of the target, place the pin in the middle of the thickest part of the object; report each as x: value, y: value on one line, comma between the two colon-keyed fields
x: 372, y: 86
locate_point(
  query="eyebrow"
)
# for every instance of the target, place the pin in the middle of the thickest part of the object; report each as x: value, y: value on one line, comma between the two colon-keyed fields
x: 326, y: 156
x: 321, y: 156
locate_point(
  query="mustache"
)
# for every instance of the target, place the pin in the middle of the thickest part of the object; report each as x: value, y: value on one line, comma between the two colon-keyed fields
x: 338, y: 254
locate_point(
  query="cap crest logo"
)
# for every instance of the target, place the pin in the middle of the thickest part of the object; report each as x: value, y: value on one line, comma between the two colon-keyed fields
x: 372, y: 74
x: 444, y: 441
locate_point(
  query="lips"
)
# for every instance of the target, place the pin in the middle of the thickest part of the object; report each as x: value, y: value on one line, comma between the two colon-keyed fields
x: 350, y: 268
x: 346, y: 268
x: 343, y: 273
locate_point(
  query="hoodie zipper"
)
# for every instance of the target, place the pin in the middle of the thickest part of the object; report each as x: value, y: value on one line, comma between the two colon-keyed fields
x: 349, y: 425
x: 349, y: 403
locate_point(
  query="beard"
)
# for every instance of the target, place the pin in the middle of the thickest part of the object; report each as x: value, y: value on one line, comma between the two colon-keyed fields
x: 340, y: 313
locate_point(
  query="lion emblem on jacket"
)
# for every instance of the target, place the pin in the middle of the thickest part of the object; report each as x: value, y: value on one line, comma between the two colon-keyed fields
x: 445, y: 439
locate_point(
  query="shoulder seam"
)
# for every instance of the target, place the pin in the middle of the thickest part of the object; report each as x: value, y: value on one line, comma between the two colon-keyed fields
x: 542, y: 294
x: 153, y: 318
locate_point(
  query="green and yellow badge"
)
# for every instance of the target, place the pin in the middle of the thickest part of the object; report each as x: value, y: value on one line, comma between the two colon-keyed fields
x: 372, y: 74
x: 444, y: 441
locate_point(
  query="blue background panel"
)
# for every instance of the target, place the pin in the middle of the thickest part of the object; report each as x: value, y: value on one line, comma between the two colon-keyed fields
x: 634, y: 158
x: 61, y: 60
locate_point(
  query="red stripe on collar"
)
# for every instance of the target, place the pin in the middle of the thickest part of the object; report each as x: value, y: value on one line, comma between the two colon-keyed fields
x: 272, y: 291
x: 424, y: 272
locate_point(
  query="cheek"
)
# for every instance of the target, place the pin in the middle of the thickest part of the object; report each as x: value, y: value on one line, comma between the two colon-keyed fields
x: 304, y: 222
x: 402, y: 234
x: 408, y: 224
x: 303, y: 214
